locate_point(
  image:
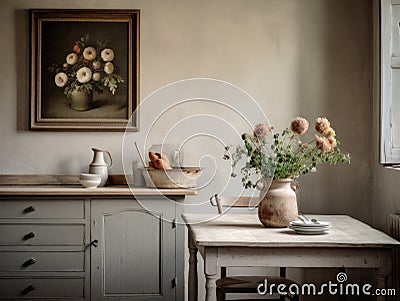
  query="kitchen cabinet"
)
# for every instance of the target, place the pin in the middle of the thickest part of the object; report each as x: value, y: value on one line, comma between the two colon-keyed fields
x: 60, y: 244
x: 43, y: 253
x: 134, y: 257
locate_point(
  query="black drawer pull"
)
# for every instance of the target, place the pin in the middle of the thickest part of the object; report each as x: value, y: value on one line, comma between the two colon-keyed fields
x: 29, y: 262
x: 29, y: 235
x: 27, y: 290
x: 30, y: 209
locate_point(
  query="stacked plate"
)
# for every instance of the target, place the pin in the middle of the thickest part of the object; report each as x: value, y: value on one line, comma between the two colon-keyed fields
x: 309, y: 228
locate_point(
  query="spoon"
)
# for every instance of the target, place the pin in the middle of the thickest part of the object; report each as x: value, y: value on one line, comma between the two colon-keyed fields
x: 302, y: 219
x: 307, y: 219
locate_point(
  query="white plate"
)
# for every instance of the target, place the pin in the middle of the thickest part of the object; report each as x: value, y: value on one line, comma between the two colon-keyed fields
x: 310, y: 224
x: 310, y: 227
x: 320, y: 231
x: 310, y: 230
x: 307, y: 226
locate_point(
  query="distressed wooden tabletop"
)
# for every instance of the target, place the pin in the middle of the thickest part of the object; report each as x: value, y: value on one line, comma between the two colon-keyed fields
x: 245, y: 230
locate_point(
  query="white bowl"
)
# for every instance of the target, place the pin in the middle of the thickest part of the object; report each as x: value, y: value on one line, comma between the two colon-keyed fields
x: 90, y: 180
x: 89, y: 176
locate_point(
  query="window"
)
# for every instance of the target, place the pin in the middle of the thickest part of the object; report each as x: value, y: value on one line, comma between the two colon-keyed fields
x: 390, y: 82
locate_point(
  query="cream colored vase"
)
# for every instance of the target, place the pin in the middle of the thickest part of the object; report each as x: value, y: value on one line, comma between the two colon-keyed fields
x: 81, y: 100
x: 278, y: 206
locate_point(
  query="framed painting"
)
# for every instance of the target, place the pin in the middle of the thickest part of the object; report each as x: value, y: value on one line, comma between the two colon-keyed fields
x: 84, y: 69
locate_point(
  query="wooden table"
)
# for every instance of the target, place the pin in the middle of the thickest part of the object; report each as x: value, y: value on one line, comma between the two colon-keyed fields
x: 240, y: 240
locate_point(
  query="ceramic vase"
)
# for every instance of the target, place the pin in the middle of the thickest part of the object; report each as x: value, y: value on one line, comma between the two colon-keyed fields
x: 81, y: 100
x: 278, y: 205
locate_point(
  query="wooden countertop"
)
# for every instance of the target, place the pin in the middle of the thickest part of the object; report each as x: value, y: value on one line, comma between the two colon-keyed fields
x: 68, y: 185
x: 77, y: 190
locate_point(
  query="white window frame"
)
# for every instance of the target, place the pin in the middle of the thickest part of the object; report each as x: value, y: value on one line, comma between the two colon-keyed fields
x: 389, y: 153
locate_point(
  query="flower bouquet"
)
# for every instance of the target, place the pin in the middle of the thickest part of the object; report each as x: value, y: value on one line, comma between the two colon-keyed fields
x: 274, y: 161
x: 285, y: 155
x: 88, y: 68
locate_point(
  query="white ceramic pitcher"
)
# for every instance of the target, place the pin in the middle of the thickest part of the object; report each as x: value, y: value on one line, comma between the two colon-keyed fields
x: 99, y: 166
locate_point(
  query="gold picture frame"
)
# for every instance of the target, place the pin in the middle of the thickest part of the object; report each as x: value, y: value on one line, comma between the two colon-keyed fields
x: 84, y: 70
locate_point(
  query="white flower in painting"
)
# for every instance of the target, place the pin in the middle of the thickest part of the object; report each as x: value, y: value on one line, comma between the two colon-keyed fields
x: 96, y: 76
x: 109, y: 68
x: 89, y: 53
x: 107, y: 54
x: 96, y: 65
x: 84, y: 75
x: 72, y: 59
x: 61, y: 79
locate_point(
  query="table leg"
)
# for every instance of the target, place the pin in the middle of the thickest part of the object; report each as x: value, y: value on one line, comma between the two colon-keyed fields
x: 193, y: 281
x: 210, y: 271
x: 211, y: 287
x: 343, y: 297
x: 382, y: 275
x: 380, y: 283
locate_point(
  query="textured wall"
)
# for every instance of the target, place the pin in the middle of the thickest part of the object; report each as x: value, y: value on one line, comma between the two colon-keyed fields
x: 304, y: 58
x: 295, y: 57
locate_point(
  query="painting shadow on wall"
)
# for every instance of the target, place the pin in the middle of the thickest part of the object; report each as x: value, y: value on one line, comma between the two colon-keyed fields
x: 21, y: 26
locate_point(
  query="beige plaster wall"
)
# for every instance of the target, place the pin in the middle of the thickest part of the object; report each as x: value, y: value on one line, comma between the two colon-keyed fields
x: 295, y: 57
x: 308, y: 58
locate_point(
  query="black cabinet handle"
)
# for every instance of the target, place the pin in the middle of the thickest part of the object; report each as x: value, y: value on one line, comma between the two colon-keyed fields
x: 29, y: 262
x: 95, y: 243
x: 30, y: 209
x: 29, y: 235
x: 27, y: 290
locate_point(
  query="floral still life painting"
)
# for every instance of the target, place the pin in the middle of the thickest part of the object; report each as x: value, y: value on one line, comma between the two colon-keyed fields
x: 87, y: 69
x: 84, y: 69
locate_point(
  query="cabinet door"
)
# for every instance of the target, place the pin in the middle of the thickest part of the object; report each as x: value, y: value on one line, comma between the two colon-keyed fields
x: 135, y: 255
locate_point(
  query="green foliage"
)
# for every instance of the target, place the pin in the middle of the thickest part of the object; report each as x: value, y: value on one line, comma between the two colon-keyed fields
x: 282, y: 156
x: 111, y: 81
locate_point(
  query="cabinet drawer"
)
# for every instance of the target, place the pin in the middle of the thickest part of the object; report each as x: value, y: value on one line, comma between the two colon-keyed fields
x: 61, y: 261
x: 41, y: 288
x: 42, y: 209
x: 42, y: 234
